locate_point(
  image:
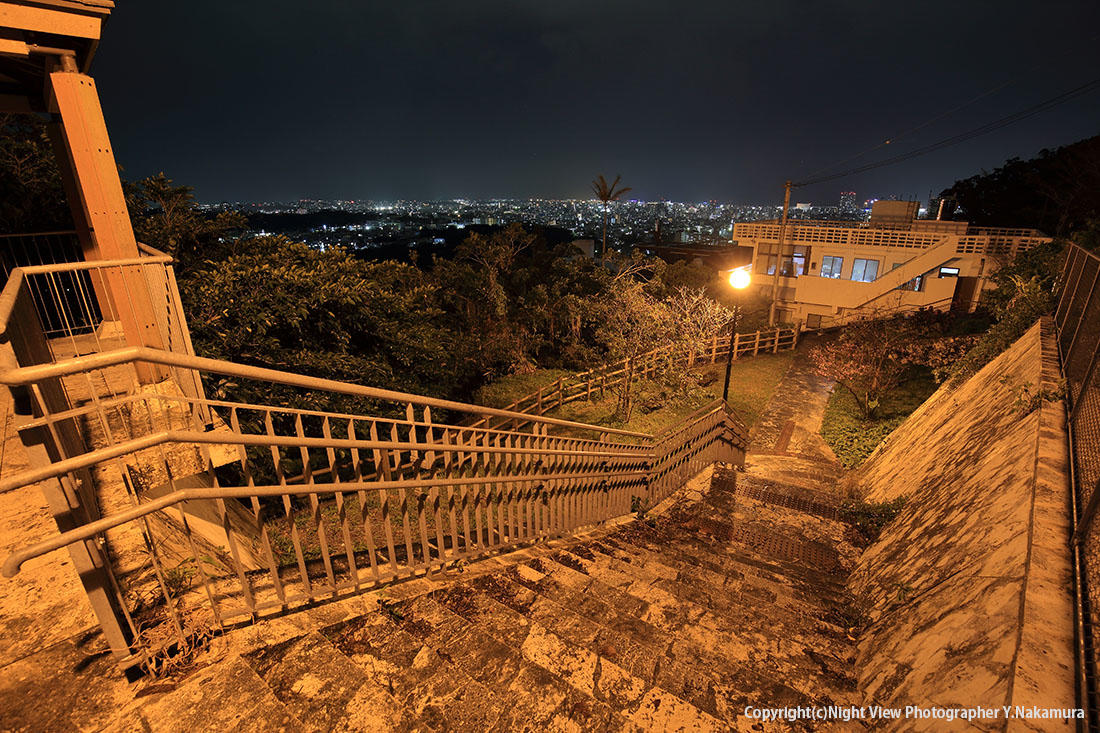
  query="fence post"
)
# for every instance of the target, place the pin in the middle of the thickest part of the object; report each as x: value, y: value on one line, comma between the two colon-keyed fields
x: 538, y: 402
x: 714, y: 349
x: 588, y: 386
x: 775, y: 346
x: 561, y: 391
x: 756, y: 345
x: 735, y: 345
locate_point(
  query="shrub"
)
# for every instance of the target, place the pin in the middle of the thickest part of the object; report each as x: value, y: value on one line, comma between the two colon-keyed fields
x: 1014, y: 318
x: 869, y: 518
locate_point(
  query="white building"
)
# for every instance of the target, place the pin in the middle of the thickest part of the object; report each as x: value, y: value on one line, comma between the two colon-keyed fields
x: 830, y: 272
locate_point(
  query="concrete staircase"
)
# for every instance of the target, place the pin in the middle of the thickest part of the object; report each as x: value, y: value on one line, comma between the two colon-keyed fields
x: 670, y: 622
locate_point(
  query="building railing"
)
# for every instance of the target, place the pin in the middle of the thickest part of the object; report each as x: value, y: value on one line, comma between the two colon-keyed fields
x: 185, y: 515
x: 595, y: 382
x: 1077, y: 318
x: 982, y: 241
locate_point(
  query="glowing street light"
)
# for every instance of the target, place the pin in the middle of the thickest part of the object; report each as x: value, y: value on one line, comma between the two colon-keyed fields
x: 739, y: 279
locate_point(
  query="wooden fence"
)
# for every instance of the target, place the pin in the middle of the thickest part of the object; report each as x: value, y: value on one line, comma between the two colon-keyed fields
x: 583, y: 385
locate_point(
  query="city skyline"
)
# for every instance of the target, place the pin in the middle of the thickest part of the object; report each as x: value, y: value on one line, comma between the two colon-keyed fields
x: 499, y: 100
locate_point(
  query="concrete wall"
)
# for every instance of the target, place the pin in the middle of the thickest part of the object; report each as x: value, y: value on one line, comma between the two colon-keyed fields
x: 968, y: 590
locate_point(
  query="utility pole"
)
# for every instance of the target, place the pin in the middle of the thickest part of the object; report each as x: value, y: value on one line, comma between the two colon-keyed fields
x: 779, y: 258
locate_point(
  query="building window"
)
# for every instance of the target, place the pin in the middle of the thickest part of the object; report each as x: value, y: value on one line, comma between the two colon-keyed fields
x: 767, y: 264
x: 793, y: 266
x: 864, y: 271
x: 949, y: 272
x: 831, y: 266
x: 916, y: 284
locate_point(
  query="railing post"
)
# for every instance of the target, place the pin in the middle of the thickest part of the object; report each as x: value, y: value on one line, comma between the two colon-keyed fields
x: 561, y: 391
x: 756, y: 345
x: 736, y: 345
x: 775, y: 346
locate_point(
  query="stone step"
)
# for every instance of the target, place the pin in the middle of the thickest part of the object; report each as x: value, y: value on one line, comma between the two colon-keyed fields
x: 737, y: 605
x: 578, y: 651
x: 779, y: 532
x: 632, y: 643
x: 582, y: 619
x: 226, y: 697
x: 717, y: 587
x: 324, y: 689
x: 714, y: 632
x: 719, y: 658
x: 731, y: 597
x: 686, y: 549
x: 527, y: 675
x: 403, y: 649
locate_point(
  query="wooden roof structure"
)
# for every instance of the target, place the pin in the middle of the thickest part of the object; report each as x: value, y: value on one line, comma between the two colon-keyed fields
x: 33, y: 34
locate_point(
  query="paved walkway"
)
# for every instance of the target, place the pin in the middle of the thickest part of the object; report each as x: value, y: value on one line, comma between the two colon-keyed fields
x: 786, y: 446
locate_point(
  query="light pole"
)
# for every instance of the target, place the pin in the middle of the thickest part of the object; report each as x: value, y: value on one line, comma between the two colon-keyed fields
x: 740, y: 278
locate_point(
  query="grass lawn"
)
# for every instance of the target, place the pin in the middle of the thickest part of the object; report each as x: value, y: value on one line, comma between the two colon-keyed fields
x: 851, y: 437
x: 507, y: 390
x: 658, y: 407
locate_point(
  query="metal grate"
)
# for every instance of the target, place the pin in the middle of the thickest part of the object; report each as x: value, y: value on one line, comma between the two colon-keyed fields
x: 726, y: 480
x: 811, y: 554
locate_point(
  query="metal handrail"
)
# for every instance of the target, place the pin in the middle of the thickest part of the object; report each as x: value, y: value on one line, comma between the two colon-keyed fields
x: 91, y: 458
x: 14, y: 562
x: 20, y: 376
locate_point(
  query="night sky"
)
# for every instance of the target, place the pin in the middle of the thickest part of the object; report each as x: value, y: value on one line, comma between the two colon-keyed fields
x: 427, y: 99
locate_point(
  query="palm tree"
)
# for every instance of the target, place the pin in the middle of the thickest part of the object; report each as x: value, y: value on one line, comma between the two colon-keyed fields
x: 606, y: 194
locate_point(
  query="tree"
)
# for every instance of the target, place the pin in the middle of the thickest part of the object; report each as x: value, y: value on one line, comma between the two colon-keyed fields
x: 283, y: 305
x: 484, y: 306
x: 632, y: 323
x: 868, y: 359
x: 697, y: 318
x: 606, y: 194
x: 32, y: 198
x: 1057, y: 192
x: 165, y: 216
x: 1029, y: 299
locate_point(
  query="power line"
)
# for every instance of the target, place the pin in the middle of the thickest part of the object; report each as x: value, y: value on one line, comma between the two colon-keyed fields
x: 905, y: 133
x: 910, y: 131
x: 962, y: 137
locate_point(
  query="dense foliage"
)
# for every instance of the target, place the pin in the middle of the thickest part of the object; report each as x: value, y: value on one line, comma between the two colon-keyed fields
x: 1057, y: 192
x: 1027, y: 301
x: 871, y: 359
x: 283, y: 305
x: 853, y: 437
x: 32, y: 198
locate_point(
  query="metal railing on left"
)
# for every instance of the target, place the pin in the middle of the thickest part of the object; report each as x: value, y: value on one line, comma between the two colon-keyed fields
x: 186, y: 514
x: 61, y: 305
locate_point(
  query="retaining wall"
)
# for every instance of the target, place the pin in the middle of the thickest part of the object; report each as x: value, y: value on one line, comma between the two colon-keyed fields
x: 968, y: 590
